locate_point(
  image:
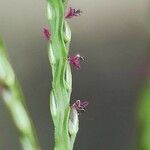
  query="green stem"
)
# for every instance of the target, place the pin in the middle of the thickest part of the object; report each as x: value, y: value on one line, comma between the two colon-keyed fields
x: 144, y: 118
x: 14, y: 101
x: 62, y: 78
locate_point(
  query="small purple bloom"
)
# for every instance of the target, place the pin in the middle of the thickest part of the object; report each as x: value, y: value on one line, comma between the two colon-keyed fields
x: 80, y: 106
x: 73, y: 13
x: 46, y: 33
x: 75, y: 60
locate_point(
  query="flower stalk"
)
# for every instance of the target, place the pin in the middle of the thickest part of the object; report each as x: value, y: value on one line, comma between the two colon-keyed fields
x: 15, y: 103
x: 64, y: 117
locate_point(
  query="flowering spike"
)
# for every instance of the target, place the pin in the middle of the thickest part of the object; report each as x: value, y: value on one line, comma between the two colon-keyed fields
x: 75, y: 61
x: 80, y: 106
x: 73, y: 13
x: 46, y: 33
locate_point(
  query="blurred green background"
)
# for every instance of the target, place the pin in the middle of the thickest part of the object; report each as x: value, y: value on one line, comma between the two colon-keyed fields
x: 113, y: 37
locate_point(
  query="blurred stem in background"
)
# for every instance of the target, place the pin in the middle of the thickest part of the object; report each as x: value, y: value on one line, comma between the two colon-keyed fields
x: 14, y: 101
x: 143, y: 109
x: 144, y: 118
x: 65, y: 118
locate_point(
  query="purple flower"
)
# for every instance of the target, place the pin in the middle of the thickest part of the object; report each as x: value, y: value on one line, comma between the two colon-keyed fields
x: 80, y: 106
x: 46, y: 33
x: 75, y: 60
x: 73, y: 13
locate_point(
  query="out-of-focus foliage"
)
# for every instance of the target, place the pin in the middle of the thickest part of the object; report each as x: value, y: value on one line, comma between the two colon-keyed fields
x: 14, y: 101
x: 144, y: 119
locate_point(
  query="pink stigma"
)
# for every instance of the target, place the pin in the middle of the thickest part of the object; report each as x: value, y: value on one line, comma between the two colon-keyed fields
x: 75, y: 61
x: 46, y: 33
x: 73, y: 13
x: 80, y: 106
